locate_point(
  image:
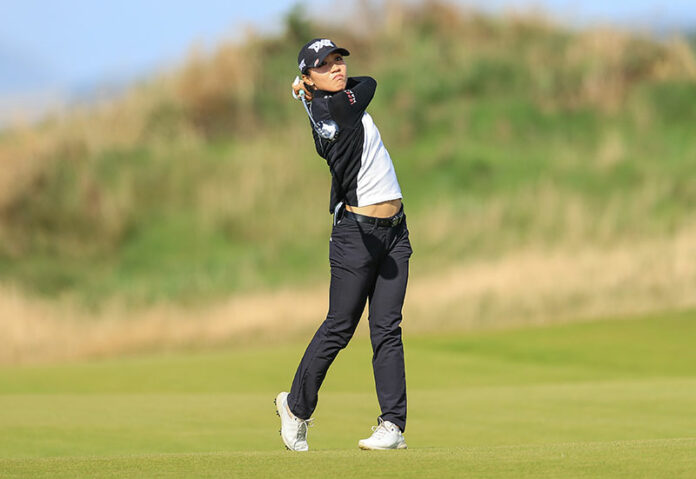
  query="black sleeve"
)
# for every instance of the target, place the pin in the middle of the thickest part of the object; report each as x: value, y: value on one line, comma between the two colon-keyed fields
x: 347, y: 106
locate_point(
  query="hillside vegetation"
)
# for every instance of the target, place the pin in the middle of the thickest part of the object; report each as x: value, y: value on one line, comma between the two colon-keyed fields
x: 505, y: 132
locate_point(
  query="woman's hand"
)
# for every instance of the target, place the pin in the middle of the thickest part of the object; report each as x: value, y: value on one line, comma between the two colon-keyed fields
x: 297, y: 86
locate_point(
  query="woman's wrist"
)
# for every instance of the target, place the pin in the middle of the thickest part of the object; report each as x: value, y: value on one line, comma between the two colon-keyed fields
x: 300, y: 86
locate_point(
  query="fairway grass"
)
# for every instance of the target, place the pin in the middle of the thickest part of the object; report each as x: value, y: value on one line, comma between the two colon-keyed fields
x: 635, y: 459
x: 613, y: 398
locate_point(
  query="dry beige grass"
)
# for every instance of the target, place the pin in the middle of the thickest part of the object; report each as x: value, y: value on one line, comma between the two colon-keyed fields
x: 528, y: 287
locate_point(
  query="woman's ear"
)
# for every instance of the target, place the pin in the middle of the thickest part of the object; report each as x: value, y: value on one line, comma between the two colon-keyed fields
x: 307, y: 80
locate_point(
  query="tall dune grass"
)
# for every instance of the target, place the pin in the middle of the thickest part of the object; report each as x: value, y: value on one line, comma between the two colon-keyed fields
x: 507, y: 132
x: 529, y: 286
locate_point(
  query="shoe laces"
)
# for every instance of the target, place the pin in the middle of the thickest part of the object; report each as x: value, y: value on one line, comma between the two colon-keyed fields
x: 302, y: 428
x: 379, y: 430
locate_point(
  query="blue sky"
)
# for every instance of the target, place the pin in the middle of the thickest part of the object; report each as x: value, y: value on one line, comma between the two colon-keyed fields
x: 72, y: 44
x: 77, y: 42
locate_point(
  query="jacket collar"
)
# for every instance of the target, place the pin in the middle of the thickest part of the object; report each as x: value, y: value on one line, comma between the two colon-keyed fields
x: 322, y: 93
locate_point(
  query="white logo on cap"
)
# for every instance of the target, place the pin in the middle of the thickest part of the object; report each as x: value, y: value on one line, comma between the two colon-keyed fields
x: 302, y: 65
x: 319, y: 44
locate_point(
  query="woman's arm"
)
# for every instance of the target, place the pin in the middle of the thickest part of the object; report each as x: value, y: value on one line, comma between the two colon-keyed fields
x: 347, y: 106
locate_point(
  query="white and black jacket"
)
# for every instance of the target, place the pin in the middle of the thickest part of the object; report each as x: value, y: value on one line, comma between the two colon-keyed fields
x: 361, y: 168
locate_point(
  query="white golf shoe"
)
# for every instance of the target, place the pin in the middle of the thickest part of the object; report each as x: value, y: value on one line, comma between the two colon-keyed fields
x: 386, y: 435
x: 293, y: 430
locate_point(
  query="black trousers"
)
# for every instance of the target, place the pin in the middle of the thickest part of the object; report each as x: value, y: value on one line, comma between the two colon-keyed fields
x: 367, y: 261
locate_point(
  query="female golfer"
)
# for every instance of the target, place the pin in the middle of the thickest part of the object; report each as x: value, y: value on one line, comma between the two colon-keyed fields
x: 369, y: 248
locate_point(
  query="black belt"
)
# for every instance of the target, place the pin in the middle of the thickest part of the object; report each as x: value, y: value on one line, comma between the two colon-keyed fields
x: 391, y: 221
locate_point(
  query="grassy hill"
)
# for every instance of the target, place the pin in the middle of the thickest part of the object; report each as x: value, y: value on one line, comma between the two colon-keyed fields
x: 505, y: 132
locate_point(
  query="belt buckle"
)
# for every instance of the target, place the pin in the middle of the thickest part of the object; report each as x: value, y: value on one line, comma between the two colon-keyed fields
x: 395, y: 221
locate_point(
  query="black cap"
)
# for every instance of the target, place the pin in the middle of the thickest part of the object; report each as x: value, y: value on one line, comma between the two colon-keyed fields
x: 315, y: 51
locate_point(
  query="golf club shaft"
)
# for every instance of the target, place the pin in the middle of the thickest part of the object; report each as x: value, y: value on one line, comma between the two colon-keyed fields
x: 304, y: 103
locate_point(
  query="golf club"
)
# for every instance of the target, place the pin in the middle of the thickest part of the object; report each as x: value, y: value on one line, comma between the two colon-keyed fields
x: 325, y: 129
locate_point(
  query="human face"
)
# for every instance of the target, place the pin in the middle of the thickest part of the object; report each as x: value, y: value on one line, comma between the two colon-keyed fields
x: 331, y: 75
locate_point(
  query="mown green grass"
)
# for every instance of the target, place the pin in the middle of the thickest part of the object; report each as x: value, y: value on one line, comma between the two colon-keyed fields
x: 614, y: 398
